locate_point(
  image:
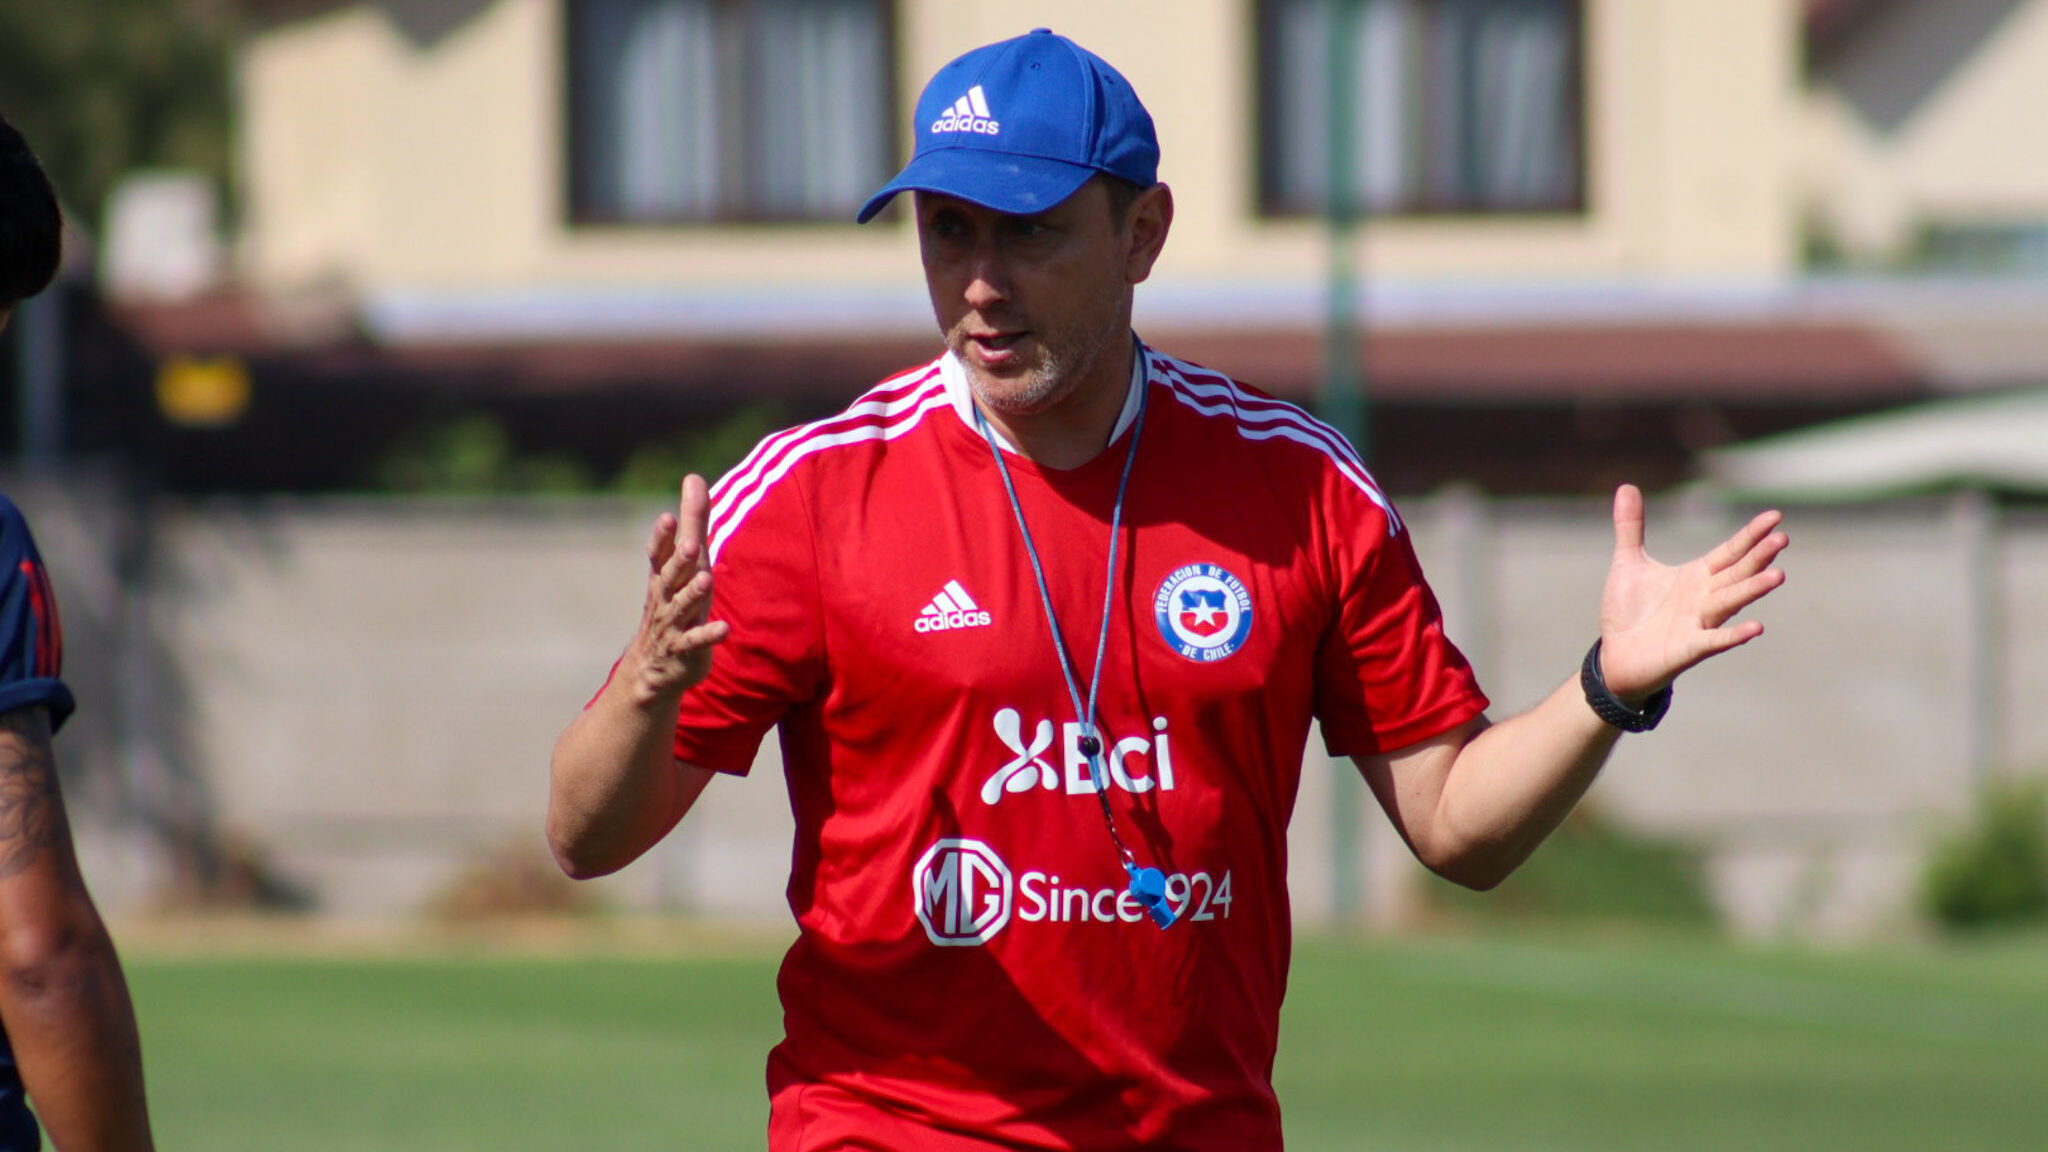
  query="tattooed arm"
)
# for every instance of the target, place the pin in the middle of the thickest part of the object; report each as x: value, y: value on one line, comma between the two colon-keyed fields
x: 62, y: 996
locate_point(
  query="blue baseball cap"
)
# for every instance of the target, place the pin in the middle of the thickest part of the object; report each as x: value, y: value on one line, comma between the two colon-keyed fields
x: 1020, y: 125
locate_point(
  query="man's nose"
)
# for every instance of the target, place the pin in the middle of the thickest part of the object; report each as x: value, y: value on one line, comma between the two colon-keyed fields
x: 988, y: 277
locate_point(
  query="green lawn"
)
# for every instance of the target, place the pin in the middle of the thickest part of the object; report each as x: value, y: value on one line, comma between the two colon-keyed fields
x: 1586, y: 1045
x: 1578, y: 1043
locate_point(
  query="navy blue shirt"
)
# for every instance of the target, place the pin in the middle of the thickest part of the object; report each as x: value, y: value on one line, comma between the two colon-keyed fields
x: 31, y: 655
x: 31, y: 643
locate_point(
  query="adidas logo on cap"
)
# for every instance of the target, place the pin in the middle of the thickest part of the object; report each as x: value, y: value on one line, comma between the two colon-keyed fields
x: 970, y: 113
x: 951, y: 608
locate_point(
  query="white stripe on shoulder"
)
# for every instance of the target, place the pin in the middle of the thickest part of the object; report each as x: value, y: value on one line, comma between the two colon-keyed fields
x: 1264, y: 418
x: 884, y: 412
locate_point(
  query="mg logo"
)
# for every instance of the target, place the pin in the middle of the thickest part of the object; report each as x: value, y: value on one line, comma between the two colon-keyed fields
x: 962, y: 892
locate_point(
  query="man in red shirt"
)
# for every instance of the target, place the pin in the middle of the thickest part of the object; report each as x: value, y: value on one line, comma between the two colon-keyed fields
x: 1043, y: 626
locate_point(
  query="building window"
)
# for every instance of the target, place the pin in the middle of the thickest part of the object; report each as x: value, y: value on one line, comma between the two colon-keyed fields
x: 1981, y: 248
x: 1459, y: 106
x: 685, y: 111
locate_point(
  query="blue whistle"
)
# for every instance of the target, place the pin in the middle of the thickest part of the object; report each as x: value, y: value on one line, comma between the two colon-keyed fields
x: 1149, y: 886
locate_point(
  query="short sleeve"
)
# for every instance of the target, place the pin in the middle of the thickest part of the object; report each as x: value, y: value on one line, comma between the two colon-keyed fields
x: 31, y: 640
x: 765, y: 587
x: 1386, y: 674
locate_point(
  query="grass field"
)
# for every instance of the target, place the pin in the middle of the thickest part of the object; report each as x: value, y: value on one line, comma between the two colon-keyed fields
x: 1413, y: 1044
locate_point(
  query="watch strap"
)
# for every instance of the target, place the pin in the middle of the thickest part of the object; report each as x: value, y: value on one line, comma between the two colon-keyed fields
x: 1609, y: 707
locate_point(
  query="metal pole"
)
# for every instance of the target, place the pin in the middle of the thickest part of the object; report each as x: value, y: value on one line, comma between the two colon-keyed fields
x: 1343, y: 394
x: 40, y: 360
x: 1974, y: 515
x: 1343, y: 399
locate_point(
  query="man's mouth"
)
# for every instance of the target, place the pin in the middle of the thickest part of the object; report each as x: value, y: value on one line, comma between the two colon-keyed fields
x: 996, y: 349
x: 996, y: 341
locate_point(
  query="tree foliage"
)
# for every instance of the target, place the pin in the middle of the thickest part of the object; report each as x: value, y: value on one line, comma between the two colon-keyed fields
x: 104, y: 87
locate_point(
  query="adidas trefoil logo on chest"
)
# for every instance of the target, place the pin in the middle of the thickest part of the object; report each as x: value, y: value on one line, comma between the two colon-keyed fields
x: 970, y: 113
x: 952, y: 608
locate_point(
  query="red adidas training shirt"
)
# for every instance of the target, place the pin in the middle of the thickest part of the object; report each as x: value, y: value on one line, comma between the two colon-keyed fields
x: 969, y: 972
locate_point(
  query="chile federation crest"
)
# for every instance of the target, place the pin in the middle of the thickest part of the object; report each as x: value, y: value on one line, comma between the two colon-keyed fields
x: 1204, y: 613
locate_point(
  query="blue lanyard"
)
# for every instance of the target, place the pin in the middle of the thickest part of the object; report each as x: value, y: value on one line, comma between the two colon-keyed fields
x: 1148, y: 885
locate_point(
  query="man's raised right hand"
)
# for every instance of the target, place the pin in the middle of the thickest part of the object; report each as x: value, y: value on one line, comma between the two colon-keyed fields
x: 671, y: 652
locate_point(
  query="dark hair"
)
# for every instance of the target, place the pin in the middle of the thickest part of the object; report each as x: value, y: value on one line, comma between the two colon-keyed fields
x: 1122, y: 194
x: 31, y: 226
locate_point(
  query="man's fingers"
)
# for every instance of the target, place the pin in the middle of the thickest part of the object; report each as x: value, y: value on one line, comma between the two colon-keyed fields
x: 705, y: 635
x: 1628, y: 521
x: 1760, y: 531
x: 693, y: 514
x: 676, y: 550
x: 1734, y: 636
x: 692, y: 601
x: 1757, y: 558
x: 661, y: 541
x: 676, y: 632
x: 1726, y: 602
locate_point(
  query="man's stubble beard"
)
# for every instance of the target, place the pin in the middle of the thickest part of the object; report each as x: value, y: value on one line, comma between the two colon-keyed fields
x: 1043, y: 385
x: 1061, y: 365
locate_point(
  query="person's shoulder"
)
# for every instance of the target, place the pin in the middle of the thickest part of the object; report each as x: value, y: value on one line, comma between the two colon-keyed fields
x: 1188, y: 375
x: 1214, y: 392
x: 882, y: 413
x: 15, y: 538
x: 1278, y: 439
x: 882, y: 416
x: 1243, y: 412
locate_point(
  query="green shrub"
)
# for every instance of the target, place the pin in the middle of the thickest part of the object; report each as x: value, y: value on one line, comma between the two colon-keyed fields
x: 655, y: 469
x: 1995, y: 869
x: 473, y: 455
x: 1592, y: 869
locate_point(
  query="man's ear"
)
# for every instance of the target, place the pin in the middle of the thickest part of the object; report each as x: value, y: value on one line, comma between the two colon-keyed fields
x: 1151, y: 218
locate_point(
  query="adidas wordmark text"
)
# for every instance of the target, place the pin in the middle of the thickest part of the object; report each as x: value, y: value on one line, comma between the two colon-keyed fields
x: 970, y: 113
x: 951, y: 608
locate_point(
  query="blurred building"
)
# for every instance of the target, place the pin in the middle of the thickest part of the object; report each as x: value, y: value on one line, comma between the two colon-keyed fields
x: 1600, y: 235
x: 1600, y: 238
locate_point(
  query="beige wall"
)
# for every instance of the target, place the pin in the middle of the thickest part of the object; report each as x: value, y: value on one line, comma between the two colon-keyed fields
x: 310, y: 184
x: 1888, y: 142
x: 1705, y: 95
x: 377, y: 159
x: 367, y: 690
x: 393, y: 162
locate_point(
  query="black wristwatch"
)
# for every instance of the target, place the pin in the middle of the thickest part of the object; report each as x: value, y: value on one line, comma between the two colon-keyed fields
x: 1610, y: 708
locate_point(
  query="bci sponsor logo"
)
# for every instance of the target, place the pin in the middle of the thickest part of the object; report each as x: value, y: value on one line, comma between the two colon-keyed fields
x: 1132, y: 763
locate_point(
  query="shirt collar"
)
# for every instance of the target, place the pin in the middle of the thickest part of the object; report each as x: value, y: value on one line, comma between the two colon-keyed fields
x: 961, y: 393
